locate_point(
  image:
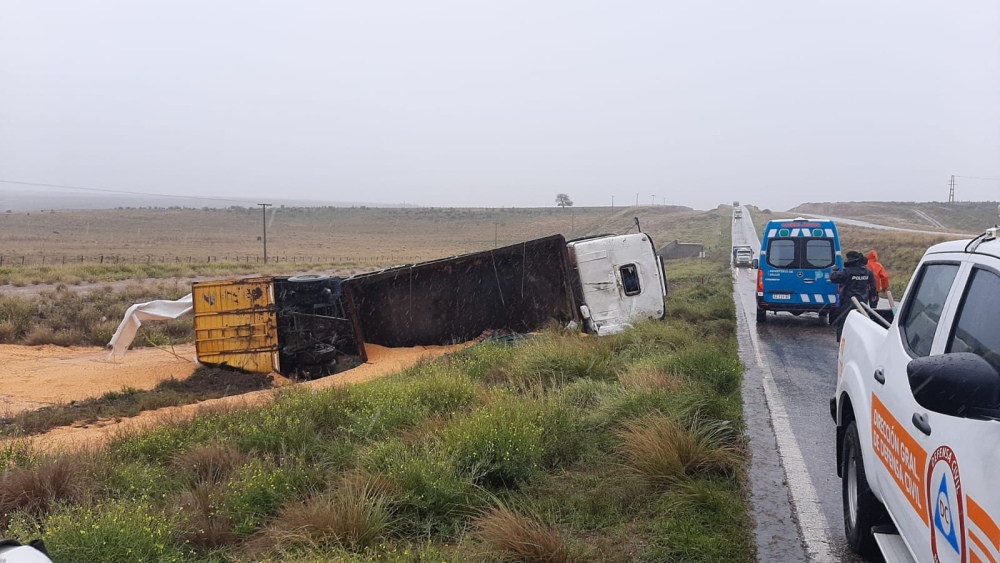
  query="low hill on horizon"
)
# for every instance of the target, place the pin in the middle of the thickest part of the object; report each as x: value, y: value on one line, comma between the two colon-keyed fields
x: 962, y: 216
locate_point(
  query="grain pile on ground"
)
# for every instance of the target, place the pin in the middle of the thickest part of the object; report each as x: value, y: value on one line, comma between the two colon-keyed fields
x: 381, y: 361
x: 38, y: 376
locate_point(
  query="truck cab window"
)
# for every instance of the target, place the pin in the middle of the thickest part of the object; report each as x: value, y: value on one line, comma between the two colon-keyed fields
x: 630, y: 279
x: 976, y: 328
x: 781, y: 253
x: 819, y: 253
x: 920, y: 319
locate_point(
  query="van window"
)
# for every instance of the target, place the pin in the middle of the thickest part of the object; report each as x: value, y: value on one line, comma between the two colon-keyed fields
x: 922, y: 314
x: 976, y: 329
x: 630, y: 279
x: 800, y: 253
x: 781, y: 253
x: 819, y: 253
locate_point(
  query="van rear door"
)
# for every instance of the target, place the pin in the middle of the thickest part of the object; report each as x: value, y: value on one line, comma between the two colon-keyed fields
x: 797, y: 273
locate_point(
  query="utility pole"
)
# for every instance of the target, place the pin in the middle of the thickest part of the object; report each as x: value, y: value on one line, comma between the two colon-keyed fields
x: 496, y: 233
x: 637, y: 199
x: 951, y: 190
x: 612, y: 204
x: 263, y: 208
x: 652, y: 200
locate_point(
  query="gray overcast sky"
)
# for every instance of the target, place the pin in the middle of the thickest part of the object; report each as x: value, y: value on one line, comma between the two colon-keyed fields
x: 506, y: 103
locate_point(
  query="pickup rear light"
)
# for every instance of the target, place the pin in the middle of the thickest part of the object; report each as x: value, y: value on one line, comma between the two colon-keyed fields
x: 760, y: 281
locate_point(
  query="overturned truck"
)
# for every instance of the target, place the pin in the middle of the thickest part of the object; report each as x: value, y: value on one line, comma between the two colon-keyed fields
x: 315, y: 325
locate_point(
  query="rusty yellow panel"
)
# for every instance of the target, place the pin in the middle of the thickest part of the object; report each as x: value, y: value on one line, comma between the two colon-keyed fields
x: 233, y: 295
x: 234, y: 323
x: 260, y: 362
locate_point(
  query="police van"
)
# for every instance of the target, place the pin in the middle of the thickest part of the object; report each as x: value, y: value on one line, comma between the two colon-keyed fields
x: 796, y: 257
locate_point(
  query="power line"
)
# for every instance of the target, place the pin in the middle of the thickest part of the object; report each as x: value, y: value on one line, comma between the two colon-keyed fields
x: 979, y: 178
x: 125, y: 192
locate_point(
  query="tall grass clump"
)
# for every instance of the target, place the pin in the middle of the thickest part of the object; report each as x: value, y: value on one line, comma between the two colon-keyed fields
x: 500, y: 444
x: 667, y: 453
x: 35, y: 490
x: 256, y: 491
x: 709, y: 364
x: 354, y: 517
x: 108, y: 531
x: 519, y: 537
x: 427, y: 489
x: 553, y: 359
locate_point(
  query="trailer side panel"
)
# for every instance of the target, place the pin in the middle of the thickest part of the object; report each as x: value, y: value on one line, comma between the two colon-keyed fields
x: 521, y: 287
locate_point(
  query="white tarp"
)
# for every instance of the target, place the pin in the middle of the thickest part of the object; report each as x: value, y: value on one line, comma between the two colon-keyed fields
x: 159, y: 310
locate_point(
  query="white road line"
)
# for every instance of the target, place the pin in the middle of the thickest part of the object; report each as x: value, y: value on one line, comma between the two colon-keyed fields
x: 805, y: 501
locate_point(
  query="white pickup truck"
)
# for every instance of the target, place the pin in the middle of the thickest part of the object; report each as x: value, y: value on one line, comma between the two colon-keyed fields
x: 918, y: 413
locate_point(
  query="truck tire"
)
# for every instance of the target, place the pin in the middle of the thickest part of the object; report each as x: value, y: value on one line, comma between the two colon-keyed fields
x: 761, y: 315
x: 862, y: 510
x: 308, y: 278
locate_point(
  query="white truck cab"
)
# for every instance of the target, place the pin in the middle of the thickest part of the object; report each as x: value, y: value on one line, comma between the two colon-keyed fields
x: 917, y: 409
x: 621, y: 279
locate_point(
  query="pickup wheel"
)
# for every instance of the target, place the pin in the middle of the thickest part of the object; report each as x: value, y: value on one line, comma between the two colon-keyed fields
x: 761, y: 315
x: 862, y: 510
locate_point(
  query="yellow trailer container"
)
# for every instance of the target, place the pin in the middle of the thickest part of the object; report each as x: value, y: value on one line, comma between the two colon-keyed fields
x: 235, y: 324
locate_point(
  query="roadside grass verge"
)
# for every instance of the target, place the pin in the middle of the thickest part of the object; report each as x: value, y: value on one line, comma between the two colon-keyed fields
x: 560, y: 448
x: 205, y: 383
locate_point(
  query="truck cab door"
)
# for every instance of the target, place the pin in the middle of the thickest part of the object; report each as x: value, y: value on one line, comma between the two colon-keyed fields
x: 900, y: 442
x: 957, y: 394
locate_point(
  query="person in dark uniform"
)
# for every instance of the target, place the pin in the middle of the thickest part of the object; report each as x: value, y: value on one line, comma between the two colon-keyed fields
x: 855, y: 280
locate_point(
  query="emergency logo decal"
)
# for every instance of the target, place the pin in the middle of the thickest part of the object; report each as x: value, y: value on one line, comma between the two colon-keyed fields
x: 946, y: 507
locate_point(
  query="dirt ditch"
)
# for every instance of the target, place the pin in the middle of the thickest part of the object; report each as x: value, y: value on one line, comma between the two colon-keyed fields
x: 37, y: 376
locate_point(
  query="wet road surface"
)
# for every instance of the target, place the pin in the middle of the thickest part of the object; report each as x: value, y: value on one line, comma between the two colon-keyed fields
x: 790, y: 377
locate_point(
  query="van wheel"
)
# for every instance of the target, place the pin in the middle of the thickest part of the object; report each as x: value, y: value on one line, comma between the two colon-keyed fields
x: 761, y: 315
x: 862, y: 510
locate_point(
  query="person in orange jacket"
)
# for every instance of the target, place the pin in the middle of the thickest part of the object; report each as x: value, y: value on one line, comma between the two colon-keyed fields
x: 881, y: 277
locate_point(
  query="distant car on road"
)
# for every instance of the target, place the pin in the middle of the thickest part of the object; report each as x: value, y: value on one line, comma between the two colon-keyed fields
x: 743, y: 257
x: 738, y: 214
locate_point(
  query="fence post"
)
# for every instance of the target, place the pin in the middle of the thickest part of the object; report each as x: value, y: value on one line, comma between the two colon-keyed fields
x: 102, y: 258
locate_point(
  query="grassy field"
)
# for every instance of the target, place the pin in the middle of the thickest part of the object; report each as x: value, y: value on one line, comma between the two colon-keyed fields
x: 625, y: 448
x: 962, y: 217
x: 321, y: 235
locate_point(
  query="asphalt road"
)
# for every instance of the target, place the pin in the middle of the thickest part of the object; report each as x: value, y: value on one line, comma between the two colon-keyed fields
x: 790, y: 377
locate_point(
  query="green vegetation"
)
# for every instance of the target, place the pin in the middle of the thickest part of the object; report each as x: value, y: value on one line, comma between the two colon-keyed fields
x: 67, y: 318
x: 561, y: 448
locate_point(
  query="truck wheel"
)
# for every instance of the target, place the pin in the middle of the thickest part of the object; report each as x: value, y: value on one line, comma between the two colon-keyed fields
x: 862, y: 510
x: 761, y: 315
x: 308, y: 278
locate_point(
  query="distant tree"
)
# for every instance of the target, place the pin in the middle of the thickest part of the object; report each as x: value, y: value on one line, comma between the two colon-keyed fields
x: 563, y: 200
